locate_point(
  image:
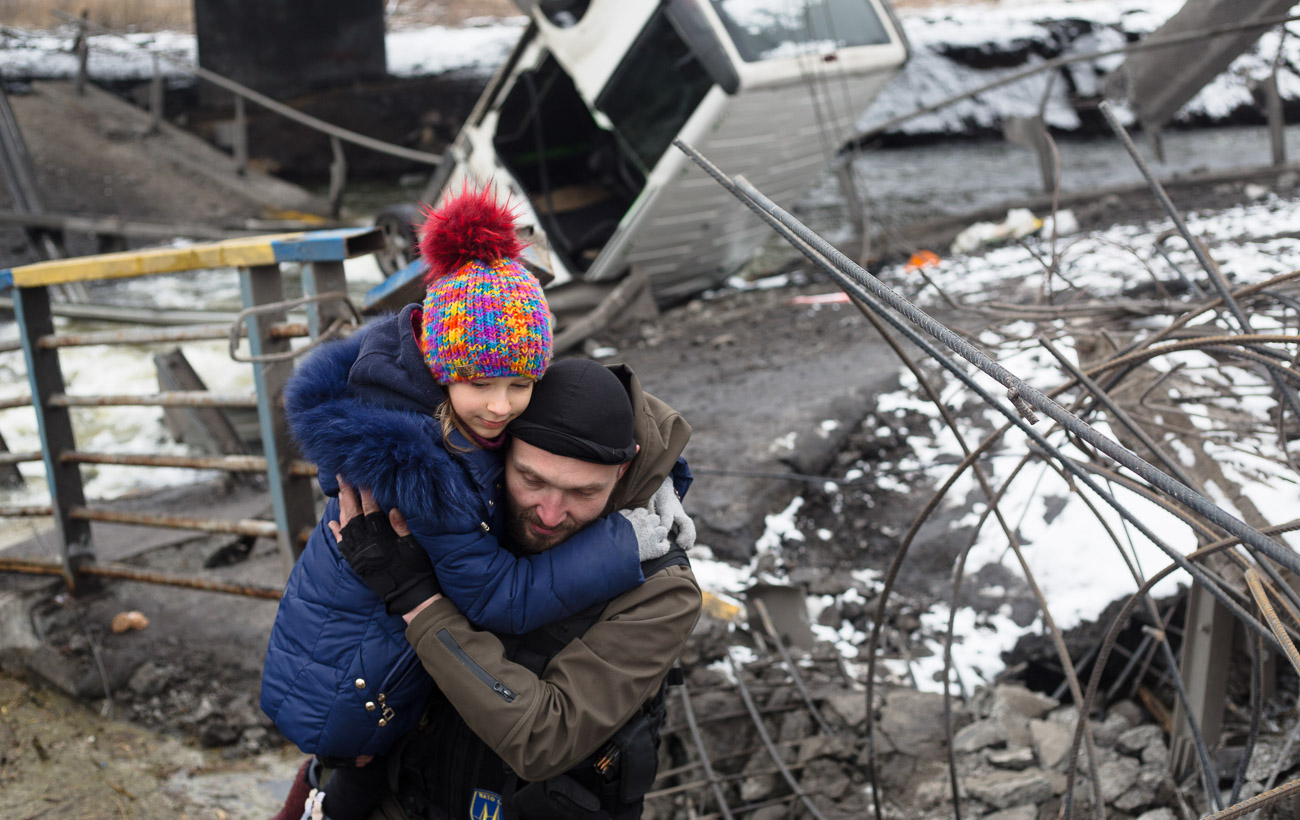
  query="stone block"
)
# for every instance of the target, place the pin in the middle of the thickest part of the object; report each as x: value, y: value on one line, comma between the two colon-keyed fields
x: 1117, y: 776
x: 1051, y: 740
x: 1018, y: 759
x: 1134, y: 741
x: 1021, y: 701
x: 913, y: 722
x: 980, y: 735
x: 850, y: 706
x: 1004, y: 790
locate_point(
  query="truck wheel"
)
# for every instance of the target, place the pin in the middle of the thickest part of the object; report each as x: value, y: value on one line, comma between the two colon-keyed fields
x: 397, y: 222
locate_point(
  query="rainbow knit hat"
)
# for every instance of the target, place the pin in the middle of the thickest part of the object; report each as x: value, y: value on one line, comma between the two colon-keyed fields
x: 484, y: 314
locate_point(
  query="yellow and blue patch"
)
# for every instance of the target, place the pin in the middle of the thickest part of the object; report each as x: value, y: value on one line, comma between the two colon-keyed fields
x: 485, y: 805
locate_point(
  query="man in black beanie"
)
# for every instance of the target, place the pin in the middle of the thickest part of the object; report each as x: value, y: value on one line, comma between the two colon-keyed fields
x: 563, y: 721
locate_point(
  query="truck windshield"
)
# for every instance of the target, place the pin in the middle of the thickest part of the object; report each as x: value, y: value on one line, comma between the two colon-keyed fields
x: 776, y: 29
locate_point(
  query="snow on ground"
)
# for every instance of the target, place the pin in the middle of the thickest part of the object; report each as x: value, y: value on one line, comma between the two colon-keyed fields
x: 1069, y: 548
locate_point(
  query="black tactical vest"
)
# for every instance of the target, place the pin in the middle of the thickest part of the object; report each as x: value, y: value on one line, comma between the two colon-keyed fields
x: 437, y: 768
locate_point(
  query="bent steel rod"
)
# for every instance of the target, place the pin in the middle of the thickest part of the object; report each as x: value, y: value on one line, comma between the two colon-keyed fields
x: 1104, y: 398
x: 1021, y: 394
x: 993, y: 509
x: 770, y: 629
x: 847, y: 274
x: 812, y: 247
x: 1256, y: 803
x: 772, y: 751
x: 1256, y: 707
x: 711, y: 775
x: 1121, y: 619
x: 1211, y: 269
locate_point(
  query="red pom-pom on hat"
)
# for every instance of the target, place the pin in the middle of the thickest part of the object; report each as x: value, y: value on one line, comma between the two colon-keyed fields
x: 470, y: 225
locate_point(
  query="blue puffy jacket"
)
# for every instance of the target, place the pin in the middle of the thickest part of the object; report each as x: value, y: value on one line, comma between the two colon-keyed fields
x: 340, y: 678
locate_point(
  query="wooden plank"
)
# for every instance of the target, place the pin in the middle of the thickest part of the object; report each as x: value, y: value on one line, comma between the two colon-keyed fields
x: 1207, y: 652
x: 9, y: 475
x: 634, y: 289
x: 230, y: 253
x: 208, y: 427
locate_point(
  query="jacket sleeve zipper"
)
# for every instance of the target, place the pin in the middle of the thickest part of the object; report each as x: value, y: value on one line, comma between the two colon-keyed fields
x: 507, y: 694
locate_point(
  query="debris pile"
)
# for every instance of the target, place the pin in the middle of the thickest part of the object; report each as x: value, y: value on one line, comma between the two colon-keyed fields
x: 1010, y: 753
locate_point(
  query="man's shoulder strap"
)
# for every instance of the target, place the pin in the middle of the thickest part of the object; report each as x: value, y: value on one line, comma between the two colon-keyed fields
x: 675, y: 557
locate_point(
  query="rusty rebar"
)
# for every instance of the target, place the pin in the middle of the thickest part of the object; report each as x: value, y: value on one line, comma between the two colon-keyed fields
x: 260, y: 529
x: 714, y: 784
x: 767, y: 741
x: 35, y: 566
x: 770, y: 629
x: 230, y: 464
x: 176, y: 398
x: 189, y: 333
x: 29, y: 511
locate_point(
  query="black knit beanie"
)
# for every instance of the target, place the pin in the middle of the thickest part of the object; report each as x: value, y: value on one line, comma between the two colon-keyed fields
x: 579, y: 409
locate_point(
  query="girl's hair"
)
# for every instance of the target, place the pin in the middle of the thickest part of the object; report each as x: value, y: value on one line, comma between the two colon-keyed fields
x: 449, y: 421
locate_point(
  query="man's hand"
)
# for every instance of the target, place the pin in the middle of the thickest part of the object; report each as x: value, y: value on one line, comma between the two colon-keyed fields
x: 382, y: 552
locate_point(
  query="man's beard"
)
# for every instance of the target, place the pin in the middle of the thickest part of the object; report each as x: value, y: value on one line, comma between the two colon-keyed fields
x: 525, y: 540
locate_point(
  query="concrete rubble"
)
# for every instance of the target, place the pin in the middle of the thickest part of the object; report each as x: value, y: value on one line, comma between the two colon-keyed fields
x: 1010, y: 749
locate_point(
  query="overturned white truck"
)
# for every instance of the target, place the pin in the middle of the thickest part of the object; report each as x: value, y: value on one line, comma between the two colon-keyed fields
x: 578, y: 125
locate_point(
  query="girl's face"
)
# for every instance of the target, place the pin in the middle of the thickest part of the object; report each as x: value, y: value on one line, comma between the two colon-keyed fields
x: 486, y: 406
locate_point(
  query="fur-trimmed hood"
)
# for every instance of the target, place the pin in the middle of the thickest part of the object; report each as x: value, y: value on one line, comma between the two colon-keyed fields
x: 363, y: 408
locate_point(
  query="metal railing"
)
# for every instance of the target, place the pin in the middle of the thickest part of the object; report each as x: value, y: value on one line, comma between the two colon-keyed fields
x: 263, y: 323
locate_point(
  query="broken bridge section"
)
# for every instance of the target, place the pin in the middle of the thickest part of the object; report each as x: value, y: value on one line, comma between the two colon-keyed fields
x: 1160, y: 81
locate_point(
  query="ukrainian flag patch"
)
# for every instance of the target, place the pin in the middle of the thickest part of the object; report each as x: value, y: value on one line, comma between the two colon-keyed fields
x: 485, y: 805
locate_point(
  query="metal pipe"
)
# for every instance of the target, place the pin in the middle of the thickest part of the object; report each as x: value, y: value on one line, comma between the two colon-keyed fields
x: 36, y: 566
x: 19, y: 458
x: 246, y: 526
x: 173, y: 398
